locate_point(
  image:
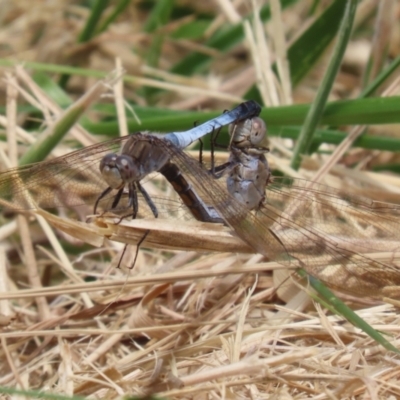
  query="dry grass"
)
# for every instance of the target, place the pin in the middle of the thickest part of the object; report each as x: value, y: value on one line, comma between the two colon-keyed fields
x: 198, y: 316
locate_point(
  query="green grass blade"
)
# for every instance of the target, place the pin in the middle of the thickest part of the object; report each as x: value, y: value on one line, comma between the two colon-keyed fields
x: 119, y: 9
x: 340, y: 308
x: 159, y: 15
x: 37, y: 394
x: 311, y: 45
x: 368, y: 111
x: 54, y: 133
x: 52, y: 136
x: 98, y: 6
x: 385, y: 74
x: 305, y: 52
x: 317, y: 107
x: 345, y: 112
x: 193, y: 30
x: 329, y: 136
x: 54, y: 91
x: 55, y: 68
x: 89, y: 30
x: 223, y: 40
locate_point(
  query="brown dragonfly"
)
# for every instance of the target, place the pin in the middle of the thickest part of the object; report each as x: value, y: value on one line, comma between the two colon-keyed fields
x: 331, y: 235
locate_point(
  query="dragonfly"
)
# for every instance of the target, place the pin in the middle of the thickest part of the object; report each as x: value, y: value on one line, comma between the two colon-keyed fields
x: 73, y: 180
x: 317, y: 228
x: 247, y: 169
x: 136, y: 161
x: 302, y: 215
x: 328, y: 233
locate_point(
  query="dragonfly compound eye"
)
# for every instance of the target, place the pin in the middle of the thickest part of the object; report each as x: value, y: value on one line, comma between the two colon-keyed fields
x: 127, y: 168
x: 258, y: 131
x: 118, y: 170
x: 110, y: 172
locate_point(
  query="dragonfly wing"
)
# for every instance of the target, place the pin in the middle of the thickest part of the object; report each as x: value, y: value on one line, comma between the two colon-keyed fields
x: 312, y: 229
x: 74, y: 181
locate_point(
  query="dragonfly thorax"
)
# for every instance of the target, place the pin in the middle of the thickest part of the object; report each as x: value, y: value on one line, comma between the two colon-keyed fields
x: 249, y: 133
x: 118, y: 170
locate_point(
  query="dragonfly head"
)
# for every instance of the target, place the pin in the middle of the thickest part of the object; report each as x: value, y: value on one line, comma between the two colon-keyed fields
x: 251, y: 132
x: 118, y: 170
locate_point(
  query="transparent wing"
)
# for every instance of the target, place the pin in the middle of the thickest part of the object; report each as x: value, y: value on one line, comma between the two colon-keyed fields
x: 74, y: 181
x: 324, y: 231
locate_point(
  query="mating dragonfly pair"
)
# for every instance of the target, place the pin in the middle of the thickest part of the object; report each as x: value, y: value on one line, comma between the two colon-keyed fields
x: 141, y: 154
x: 329, y: 234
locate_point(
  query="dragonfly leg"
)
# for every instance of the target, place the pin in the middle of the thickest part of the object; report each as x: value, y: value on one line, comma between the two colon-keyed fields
x: 104, y: 193
x: 214, y: 144
x: 142, y: 239
x: 201, y: 152
x: 214, y: 137
x: 138, y: 247
x: 132, y: 202
x: 117, y: 199
x: 219, y: 171
x: 148, y: 199
x: 122, y: 256
x: 201, y: 147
